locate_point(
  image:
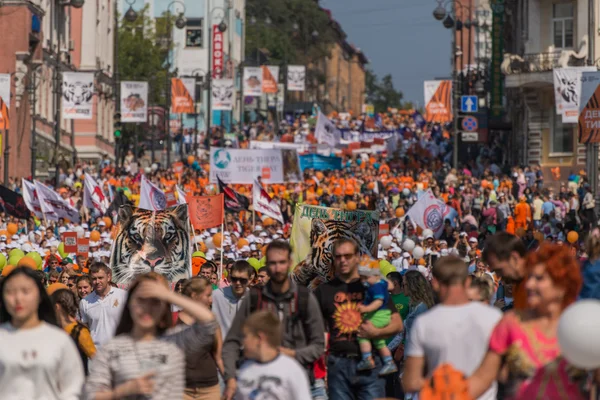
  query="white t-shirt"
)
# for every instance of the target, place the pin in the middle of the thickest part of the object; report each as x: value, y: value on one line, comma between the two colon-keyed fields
x: 281, y: 379
x: 103, y: 315
x: 458, y: 335
x: 39, y: 363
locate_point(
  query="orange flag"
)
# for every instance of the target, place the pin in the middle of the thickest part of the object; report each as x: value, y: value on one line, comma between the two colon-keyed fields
x: 205, y: 211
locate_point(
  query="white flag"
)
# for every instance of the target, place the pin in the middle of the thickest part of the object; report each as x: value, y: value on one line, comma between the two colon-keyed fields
x: 430, y: 213
x: 93, y: 196
x: 326, y: 132
x: 264, y: 204
x: 567, y: 88
x: 151, y: 197
x: 180, y: 195
x: 54, y: 206
x: 31, y: 199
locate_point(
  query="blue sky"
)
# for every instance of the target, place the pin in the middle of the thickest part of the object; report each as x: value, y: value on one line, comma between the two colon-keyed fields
x: 400, y: 37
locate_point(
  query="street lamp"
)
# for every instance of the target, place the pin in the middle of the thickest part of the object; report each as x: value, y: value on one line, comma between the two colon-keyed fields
x: 131, y: 15
x: 440, y: 12
x: 77, y: 3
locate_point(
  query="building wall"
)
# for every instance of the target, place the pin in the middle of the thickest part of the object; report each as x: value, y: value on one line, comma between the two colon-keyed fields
x: 345, y: 74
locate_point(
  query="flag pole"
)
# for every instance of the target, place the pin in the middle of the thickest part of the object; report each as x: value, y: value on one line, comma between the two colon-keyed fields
x: 221, y: 264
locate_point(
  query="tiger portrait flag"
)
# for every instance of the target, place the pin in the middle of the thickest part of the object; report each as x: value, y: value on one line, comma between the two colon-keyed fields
x: 314, y: 230
x: 264, y: 204
x: 206, y: 211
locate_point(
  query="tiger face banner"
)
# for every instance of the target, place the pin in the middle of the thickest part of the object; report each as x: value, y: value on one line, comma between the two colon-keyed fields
x: 77, y: 95
x: 182, y: 95
x: 222, y: 94
x: 314, y: 231
x: 147, y: 241
x: 134, y: 101
x: 296, y: 75
x: 438, y: 101
x: 567, y: 92
x: 253, y: 77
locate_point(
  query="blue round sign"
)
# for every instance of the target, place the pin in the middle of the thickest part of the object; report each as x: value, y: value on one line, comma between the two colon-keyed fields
x: 469, y: 124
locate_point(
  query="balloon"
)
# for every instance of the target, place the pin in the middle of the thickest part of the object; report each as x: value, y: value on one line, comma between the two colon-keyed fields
x: 36, y: 256
x: 190, y: 159
x: 94, y: 236
x: 387, y: 269
x: 351, y: 205
x: 405, y: 192
x: 209, y: 243
x: 61, y: 250
x: 263, y: 261
x: 154, y: 167
x: 418, y: 252
x: 399, y: 212
x: 80, y: 232
x: 16, y: 252
x: 217, y: 239
x: 27, y: 262
x: 198, y: 254
x: 268, y: 221
x: 254, y: 262
x: 14, y: 260
x: 427, y: 232
x: 12, y: 228
x: 408, y: 245
x: 241, y: 243
x: 107, y: 221
x: 572, y: 237
x: 386, y: 242
x: 7, y: 270
x: 578, y: 332
x: 203, y: 247
x: 422, y: 262
x: 2, y: 260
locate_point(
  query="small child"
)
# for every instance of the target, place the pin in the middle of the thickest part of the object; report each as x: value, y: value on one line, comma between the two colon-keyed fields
x: 375, y: 309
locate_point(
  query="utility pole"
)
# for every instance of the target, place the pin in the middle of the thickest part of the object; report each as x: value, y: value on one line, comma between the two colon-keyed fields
x: 117, y: 88
x: 455, y: 93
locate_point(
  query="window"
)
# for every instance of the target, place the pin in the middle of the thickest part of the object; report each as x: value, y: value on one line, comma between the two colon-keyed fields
x: 562, y: 136
x: 562, y: 25
x: 193, y: 37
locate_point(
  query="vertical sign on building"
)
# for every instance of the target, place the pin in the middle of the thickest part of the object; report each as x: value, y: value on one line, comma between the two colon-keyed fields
x: 497, y: 78
x: 217, y: 52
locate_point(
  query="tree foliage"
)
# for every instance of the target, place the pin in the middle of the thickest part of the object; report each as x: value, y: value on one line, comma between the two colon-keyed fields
x: 382, y: 93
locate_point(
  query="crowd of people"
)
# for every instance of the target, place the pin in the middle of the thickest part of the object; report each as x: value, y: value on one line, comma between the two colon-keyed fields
x: 476, y: 303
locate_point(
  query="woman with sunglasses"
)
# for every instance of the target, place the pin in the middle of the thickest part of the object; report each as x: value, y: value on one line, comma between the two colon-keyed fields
x: 39, y: 361
x: 145, y: 360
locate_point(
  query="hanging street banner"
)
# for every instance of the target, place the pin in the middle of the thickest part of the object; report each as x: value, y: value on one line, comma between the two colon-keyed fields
x: 296, y: 78
x: 222, y: 94
x: 242, y: 166
x: 253, y: 81
x: 315, y: 228
x: 438, y: 101
x: 77, y: 95
x: 496, y: 76
x: 217, y: 52
x: 567, y: 92
x: 182, y: 95
x: 270, y: 78
x: 4, y: 101
x: 588, y: 123
x: 134, y: 101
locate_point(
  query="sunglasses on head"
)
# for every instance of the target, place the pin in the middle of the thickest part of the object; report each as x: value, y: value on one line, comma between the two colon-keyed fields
x: 243, y: 281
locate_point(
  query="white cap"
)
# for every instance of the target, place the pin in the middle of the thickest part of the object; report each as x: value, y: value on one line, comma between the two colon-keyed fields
x: 472, y: 240
x: 84, y: 226
x: 62, y: 229
x: 213, y: 230
x: 258, y: 228
x: 263, y: 234
x: 101, y: 223
x: 406, y: 255
x: 245, y: 249
x: 86, y: 234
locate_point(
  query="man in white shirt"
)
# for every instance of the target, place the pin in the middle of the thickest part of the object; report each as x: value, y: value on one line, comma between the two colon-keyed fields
x: 101, y: 310
x: 461, y: 329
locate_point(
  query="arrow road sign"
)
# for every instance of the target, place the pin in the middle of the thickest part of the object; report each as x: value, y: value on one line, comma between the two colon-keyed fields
x: 470, y: 124
x: 469, y: 104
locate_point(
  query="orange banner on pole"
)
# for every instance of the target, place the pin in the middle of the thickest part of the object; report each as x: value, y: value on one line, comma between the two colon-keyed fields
x: 438, y: 101
x: 205, y: 211
x: 270, y: 78
x: 182, y: 101
x: 4, y: 116
x: 589, y: 120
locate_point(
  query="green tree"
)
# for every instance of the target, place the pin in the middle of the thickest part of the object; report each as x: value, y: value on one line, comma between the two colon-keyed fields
x: 382, y: 94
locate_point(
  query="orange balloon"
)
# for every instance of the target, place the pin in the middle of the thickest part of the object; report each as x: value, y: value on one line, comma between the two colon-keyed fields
x: 217, y: 239
x: 268, y: 221
x: 94, y: 236
x: 7, y: 270
x: 190, y: 159
x: 399, y: 212
x: 572, y: 237
x: 371, y: 186
x: 242, y: 242
x: 27, y: 262
x: 12, y: 228
x: 202, y: 247
x: 107, y: 221
x: 351, y: 205
x: 4, y: 232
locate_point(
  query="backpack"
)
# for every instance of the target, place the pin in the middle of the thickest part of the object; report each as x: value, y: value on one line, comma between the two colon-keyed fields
x: 446, y: 383
x: 75, y: 333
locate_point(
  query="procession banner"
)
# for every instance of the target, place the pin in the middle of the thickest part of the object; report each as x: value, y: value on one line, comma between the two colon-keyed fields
x: 206, y: 211
x: 53, y: 206
x: 134, y: 101
x: 296, y: 78
x: 181, y: 195
x: 430, y: 213
x: 367, y: 136
x: 319, y: 162
x: 253, y: 81
x: 93, y: 196
x: 4, y: 101
x: 151, y: 196
x: 264, y: 204
x: 242, y: 166
x: 167, y: 251
x: 438, y: 101
x: 31, y: 198
x: 77, y: 95
x: 588, y: 123
x: 233, y: 201
x: 567, y: 91
x: 326, y: 131
x: 182, y: 95
x: 83, y: 247
x: 70, y: 242
x: 13, y: 203
x: 270, y: 78
x: 316, y: 228
x: 222, y: 94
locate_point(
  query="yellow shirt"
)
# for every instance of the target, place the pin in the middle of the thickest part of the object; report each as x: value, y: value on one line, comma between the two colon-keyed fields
x: 85, y: 340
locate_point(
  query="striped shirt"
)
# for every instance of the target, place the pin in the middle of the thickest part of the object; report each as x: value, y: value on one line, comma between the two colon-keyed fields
x: 124, y: 358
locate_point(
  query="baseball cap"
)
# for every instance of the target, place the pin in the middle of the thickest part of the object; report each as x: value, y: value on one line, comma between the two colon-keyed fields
x: 472, y: 240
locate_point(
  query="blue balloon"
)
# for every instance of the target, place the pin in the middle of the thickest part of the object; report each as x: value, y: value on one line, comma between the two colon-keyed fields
x: 358, y: 161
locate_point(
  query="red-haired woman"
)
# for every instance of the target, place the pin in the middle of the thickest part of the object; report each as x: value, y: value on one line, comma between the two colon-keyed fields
x: 527, y: 339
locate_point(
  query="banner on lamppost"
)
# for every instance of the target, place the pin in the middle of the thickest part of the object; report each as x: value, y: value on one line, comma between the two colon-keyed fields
x: 182, y: 95
x: 253, y: 77
x: 270, y: 78
x: 438, y: 101
x: 4, y: 101
x: 222, y: 94
x: 567, y: 92
x: 589, y: 108
x: 134, y: 101
x: 77, y: 95
x: 296, y: 78
x: 217, y: 52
